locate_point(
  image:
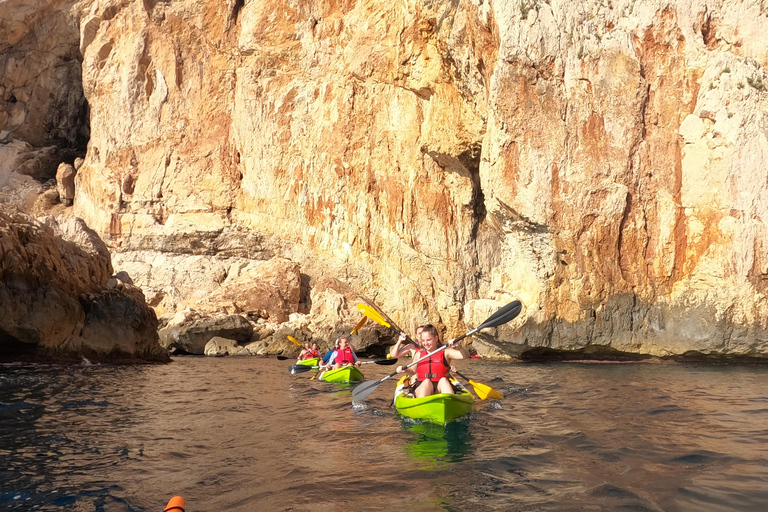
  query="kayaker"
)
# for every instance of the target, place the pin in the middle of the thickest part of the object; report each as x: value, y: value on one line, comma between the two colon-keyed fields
x: 400, y: 350
x: 314, y: 352
x: 344, y: 355
x: 304, y: 354
x: 432, y: 373
x: 329, y: 354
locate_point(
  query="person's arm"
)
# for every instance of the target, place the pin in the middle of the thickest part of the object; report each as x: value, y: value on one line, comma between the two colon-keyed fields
x: 400, y: 348
x: 405, y: 371
x: 456, y: 351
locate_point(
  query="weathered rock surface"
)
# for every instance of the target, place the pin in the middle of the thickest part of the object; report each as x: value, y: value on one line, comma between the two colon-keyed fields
x: 604, y: 162
x: 65, y: 183
x: 189, y: 331
x: 54, y: 298
x: 218, y: 346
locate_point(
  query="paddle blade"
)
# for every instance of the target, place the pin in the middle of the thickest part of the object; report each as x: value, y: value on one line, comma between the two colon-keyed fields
x: 294, y: 340
x: 359, y: 325
x: 386, y: 362
x: 504, y: 315
x: 362, y: 391
x: 284, y: 358
x: 485, y: 392
x: 482, y: 391
x: 374, y: 315
x: 300, y: 368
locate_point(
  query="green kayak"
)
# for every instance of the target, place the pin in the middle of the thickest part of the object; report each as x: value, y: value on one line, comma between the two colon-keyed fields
x: 310, y: 362
x: 440, y: 408
x: 343, y: 374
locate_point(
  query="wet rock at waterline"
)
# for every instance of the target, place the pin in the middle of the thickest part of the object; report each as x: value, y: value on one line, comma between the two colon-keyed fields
x: 55, y: 300
x: 190, y: 331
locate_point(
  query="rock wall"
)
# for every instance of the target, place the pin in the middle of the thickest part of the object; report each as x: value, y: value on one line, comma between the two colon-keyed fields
x: 602, y: 161
x: 57, y: 297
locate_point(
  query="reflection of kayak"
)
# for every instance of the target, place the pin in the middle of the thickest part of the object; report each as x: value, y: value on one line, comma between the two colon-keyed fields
x: 344, y: 374
x: 310, y: 362
x: 439, y: 408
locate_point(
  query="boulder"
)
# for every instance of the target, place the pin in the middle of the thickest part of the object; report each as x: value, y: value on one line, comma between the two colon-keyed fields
x: 54, y: 299
x: 65, y: 183
x: 270, y: 291
x: 218, y: 346
x: 189, y: 331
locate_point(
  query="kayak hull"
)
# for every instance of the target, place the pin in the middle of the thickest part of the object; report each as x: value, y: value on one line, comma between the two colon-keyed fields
x: 440, y: 408
x: 343, y: 374
x: 310, y: 362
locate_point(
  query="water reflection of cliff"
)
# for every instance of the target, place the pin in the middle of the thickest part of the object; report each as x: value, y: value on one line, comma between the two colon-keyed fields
x: 439, y: 445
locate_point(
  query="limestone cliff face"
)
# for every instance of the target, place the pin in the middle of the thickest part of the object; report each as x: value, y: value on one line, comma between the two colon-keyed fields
x: 604, y: 162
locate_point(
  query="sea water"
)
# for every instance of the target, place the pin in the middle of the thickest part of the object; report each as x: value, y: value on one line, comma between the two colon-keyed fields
x: 242, y: 434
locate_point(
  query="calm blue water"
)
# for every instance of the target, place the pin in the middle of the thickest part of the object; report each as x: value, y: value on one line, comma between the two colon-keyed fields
x: 242, y: 434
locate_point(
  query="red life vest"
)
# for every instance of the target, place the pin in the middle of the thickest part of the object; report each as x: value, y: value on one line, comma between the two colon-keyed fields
x: 313, y: 353
x: 307, y: 355
x: 434, y: 368
x: 344, y: 356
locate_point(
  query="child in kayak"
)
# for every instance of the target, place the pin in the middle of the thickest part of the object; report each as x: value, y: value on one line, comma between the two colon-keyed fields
x: 432, y: 373
x: 343, y: 356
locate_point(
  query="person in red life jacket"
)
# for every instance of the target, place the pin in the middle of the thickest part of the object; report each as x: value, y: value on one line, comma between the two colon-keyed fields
x: 344, y: 355
x: 432, y: 373
x: 400, y: 350
x: 306, y: 353
x: 314, y: 351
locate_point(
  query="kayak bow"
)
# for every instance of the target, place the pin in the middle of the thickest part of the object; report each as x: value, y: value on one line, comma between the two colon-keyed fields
x: 440, y: 408
x: 344, y: 374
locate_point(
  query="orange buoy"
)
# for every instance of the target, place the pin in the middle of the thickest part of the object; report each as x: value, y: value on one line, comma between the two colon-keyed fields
x: 176, y: 504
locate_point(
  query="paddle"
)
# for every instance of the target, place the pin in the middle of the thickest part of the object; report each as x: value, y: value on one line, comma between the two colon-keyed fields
x: 502, y: 316
x: 300, y: 368
x: 295, y: 341
x: 383, y: 362
x: 483, y: 391
x: 303, y: 368
x: 359, y: 325
x: 380, y: 319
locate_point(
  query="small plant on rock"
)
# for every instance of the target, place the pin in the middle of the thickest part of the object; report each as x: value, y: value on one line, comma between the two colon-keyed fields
x: 756, y: 82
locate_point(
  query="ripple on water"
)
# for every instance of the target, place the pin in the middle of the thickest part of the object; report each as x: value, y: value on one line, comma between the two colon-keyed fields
x: 241, y: 435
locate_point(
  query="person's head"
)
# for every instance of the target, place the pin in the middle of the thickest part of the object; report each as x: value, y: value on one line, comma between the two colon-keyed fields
x: 429, y: 338
x: 418, y: 333
x: 343, y: 343
x: 314, y: 346
x: 307, y: 345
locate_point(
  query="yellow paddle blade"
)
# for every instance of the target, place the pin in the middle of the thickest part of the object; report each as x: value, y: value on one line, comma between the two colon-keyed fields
x: 359, y: 325
x: 294, y: 340
x: 372, y: 314
x: 485, y: 392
